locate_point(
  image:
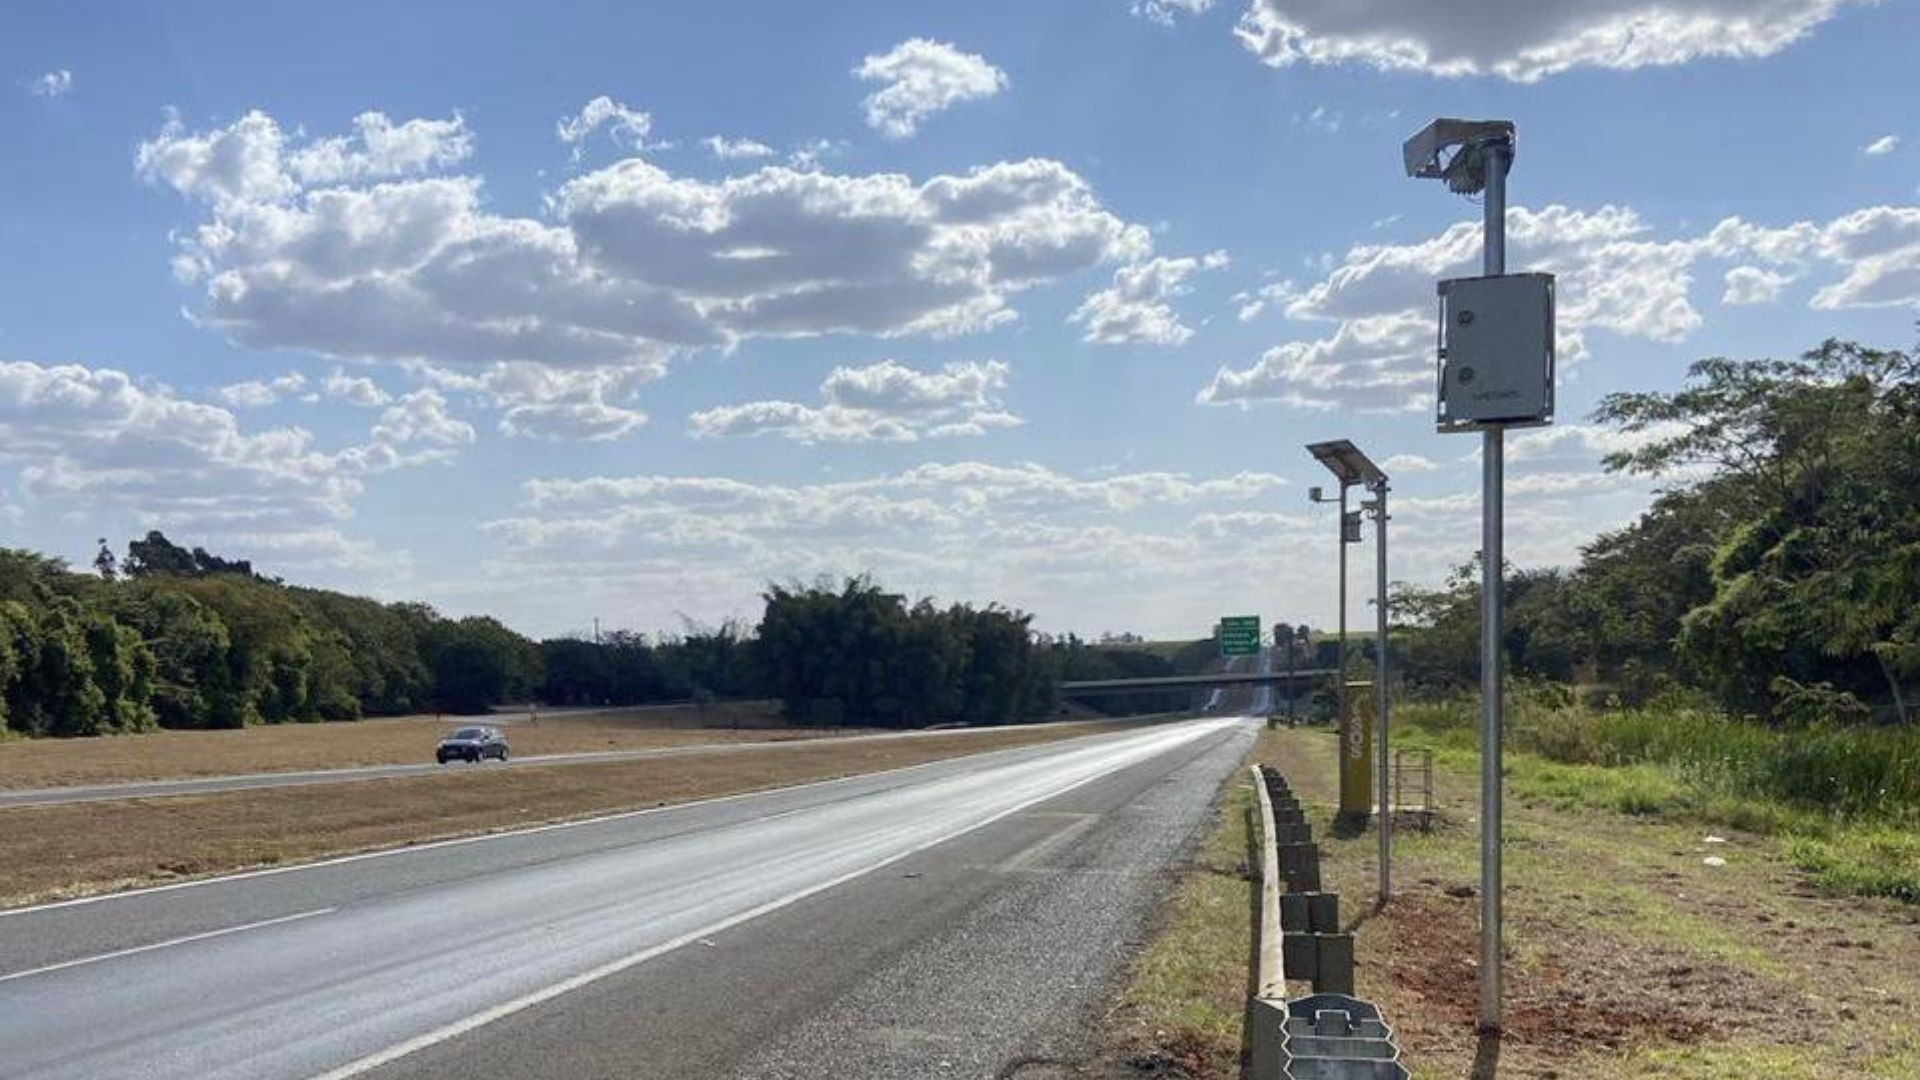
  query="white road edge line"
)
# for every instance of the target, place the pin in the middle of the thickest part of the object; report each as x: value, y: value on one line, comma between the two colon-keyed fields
x: 520, y: 1004
x: 503, y: 834
x: 168, y: 944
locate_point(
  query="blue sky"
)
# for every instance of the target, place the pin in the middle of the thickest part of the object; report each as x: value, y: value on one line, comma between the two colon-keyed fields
x: 1011, y: 301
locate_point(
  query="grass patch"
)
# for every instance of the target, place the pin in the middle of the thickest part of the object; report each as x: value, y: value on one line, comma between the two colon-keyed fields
x: 1184, y: 1007
x: 1866, y: 861
x: 1846, y: 800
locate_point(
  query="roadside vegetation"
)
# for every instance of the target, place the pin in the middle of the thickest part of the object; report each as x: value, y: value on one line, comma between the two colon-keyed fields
x: 1183, y: 1009
x: 175, y: 637
x: 1846, y: 800
x: 1745, y: 654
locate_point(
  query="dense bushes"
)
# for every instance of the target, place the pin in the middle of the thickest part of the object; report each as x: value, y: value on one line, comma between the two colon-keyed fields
x: 858, y: 654
x: 1826, y: 769
x: 1779, y: 571
x: 186, y: 639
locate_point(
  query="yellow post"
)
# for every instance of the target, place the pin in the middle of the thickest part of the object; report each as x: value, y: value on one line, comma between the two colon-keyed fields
x: 1356, y: 752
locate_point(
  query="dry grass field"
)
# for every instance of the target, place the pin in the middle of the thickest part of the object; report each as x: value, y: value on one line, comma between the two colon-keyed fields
x: 166, y: 755
x: 61, y: 851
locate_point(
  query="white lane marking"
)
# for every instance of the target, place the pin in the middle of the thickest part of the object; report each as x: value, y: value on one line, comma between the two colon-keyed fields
x: 168, y: 944
x: 383, y: 853
x: 527, y: 1001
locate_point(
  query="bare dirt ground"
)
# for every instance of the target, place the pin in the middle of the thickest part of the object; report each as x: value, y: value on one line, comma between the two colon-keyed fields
x: 61, y: 851
x: 1629, y: 955
x: 167, y: 755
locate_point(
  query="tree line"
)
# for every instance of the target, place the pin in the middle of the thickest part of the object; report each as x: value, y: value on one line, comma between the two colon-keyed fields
x: 1777, y: 571
x: 175, y: 637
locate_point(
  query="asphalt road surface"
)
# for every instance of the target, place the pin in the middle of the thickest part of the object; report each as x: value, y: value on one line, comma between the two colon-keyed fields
x: 965, y: 918
x: 206, y: 785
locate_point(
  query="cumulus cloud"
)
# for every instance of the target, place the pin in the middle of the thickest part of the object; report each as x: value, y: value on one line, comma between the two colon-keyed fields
x: 919, y: 78
x: 256, y: 393
x: 1165, y: 12
x: 627, y: 127
x: 633, y: 264
x: 1882, y: 146
x: 1137, y: 307
x: 251, y: 161
x: 53, y: 84
x: 1526, y: 41
x: 1021, y: 534
x: 735, y: 149
x: 1409, y: 463
x: 542, y: 402
x: 883, y: 402
x: 354, y: 390
x: 1612, y: 273
x: 1754, y: 285
x: 93, y: 440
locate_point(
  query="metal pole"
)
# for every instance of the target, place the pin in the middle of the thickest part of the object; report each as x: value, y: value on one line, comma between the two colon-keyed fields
x: 1493, y: 469
x: 1292, y: 646
x: 1380, y: 689
x: 1340, y: 662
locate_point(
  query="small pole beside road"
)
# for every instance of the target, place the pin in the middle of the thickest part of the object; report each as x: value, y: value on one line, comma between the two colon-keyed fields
x: 1352, y: 468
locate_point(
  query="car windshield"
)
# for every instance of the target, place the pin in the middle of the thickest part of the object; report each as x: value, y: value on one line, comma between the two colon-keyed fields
x: 470, y: 733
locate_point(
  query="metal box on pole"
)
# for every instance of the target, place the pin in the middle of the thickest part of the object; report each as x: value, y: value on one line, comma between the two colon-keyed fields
x: 1496, y: 351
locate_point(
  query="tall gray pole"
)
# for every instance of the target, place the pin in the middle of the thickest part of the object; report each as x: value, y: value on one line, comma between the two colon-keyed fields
x: 1340, y: 662
x: 1380, y: 690
x: 1493, y: 470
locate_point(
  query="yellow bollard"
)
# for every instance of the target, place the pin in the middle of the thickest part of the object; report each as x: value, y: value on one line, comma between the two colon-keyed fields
x: 1356, y: 752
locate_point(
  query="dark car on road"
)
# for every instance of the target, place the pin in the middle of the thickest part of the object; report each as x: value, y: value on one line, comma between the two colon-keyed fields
x: 474, y: 744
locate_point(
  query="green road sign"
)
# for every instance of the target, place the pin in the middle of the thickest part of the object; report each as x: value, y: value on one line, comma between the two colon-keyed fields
x: 1240, y: 635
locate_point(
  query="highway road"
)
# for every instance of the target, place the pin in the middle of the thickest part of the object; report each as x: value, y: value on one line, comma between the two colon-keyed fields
x: 206, y: 785
x: 965, y: 918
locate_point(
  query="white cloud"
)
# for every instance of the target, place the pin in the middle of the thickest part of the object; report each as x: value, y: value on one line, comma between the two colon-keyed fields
x: 1137, y: 308
x: 53, y: 84
x: 249, y: 161
x: 1524, y: 41
x: 1885, y: 144
x: 1408, y: 463
x: 380, y: 148
x: 542, y: 402
x: 1254, y: 304
x: 422, y: 416
x: 633, y: 264
x: 1612, y: 275
x: 1092, y: 548
x: 92, y: 440
x: 255, y: 393
x: 1164, y: 12
x: 354, y: 390
x: 1754, y: 285
x: 1377, y: 363
x: 883, y: 402
x: 735, y: 149
x: 626, y: 127
x: 920, y: 78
